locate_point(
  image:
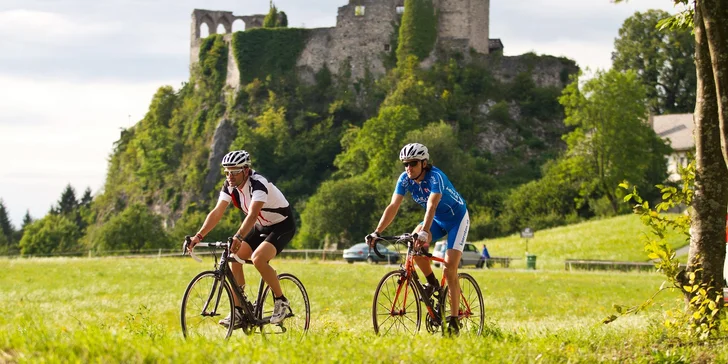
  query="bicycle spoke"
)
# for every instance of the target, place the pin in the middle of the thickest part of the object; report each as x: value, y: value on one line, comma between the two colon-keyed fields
x: 396, y: 307
x: 204, y: 304
x: 298, y: 319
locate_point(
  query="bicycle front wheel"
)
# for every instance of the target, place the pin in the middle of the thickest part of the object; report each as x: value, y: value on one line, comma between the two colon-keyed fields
x: 396, y: 307
x: 207, y: 300
x: 471, y: 313
x: 296, y: 323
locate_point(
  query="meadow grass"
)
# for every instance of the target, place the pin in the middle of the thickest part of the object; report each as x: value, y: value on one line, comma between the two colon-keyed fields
x: 127, y: 310
x: 618, y: 238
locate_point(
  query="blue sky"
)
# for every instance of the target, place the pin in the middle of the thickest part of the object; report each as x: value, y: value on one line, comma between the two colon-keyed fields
x: 75, y: 72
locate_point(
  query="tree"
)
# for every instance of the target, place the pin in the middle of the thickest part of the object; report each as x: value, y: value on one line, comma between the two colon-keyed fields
x: 663, y: 59
x: 67, y: 204
x: 707, y: 19
x: 282, y: 20
x: 271, y: 19
x: 53, y: 234
x: 611, y: 135
x: 340, y: 211
x: 86, y: 198
x: 6, y: 228
x: 136, y: 228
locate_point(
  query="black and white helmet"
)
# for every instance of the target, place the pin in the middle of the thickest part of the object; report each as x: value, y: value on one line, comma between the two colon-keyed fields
x: 414, y: 151
x: 236, y: 158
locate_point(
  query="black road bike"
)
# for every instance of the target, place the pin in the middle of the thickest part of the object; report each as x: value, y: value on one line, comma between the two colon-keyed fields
x: 209, y: 298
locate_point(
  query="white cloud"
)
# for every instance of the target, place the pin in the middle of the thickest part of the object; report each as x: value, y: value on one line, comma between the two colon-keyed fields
x: 42, y: 27
x: 67, y: 137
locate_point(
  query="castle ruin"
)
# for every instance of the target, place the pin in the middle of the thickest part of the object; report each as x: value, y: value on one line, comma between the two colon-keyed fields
x: 362, y: 35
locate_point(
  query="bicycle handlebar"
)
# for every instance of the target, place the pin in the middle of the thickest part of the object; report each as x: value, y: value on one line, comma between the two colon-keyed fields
x: 395, y: 239
x: 217, y: 244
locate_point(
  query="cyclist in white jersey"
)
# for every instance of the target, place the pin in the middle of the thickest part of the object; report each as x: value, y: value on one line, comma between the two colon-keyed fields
x: 445, y: 214
x: 266, y: 230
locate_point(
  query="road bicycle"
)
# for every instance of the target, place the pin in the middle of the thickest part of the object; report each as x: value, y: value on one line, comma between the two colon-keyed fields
x: 209, y: 298
x: 396, y: 308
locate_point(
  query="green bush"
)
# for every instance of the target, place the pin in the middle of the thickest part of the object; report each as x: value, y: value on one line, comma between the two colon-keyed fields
x: 262, y: 52
x: 418, y: 31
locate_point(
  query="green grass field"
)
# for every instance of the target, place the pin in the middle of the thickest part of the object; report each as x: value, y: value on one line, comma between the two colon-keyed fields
x: 127, y: 310
x: 619, y: 238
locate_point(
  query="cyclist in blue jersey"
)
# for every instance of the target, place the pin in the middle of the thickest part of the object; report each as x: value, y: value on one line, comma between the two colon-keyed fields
x: 445, y: 214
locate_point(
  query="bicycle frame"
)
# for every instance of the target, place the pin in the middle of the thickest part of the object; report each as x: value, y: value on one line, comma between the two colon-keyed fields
x: 410, y: 273
x: 251, y: 310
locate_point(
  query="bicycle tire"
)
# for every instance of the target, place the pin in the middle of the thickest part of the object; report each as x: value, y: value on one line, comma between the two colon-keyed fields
x: 471, y: 313
x: 200, y: 298
x: 299, y: 317
x: 390, y: 310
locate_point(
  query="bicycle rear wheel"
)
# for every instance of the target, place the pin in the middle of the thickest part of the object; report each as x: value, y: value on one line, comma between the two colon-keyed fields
x: 296, y: 323
x: 471, y: 312
x: 396, y: 307
x: 206, y: 301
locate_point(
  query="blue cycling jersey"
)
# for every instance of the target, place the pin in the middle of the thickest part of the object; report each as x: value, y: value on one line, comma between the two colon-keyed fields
x: 451, y: 206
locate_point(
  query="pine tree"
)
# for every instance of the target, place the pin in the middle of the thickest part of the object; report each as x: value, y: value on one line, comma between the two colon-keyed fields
x: 6, y: 228
x: 86, y: 198
x: 271, y: 19
x: 282, y: 20
x: 68, y: 203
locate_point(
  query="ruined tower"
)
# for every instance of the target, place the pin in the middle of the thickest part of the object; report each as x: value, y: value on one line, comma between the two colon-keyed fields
x: 464, y: 23
x: 362, y: 35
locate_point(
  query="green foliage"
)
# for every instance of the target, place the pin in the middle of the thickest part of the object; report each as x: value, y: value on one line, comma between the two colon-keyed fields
x: 213, y: 62
x: 282, y: 20
x: 7, y: 231
x: 611, y: 140
x: 418, y: 31
x: 134, y: 229
x: 662, y: 58
x: 700, y: 320
x: 334, y: 214
x: 53, y: 234
x: 262, y: 52
x: 275, y: 18
x: 372, y: 150
x: 67, y: 204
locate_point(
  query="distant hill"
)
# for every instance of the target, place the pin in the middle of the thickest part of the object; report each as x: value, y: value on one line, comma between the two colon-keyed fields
x: 618, y: 238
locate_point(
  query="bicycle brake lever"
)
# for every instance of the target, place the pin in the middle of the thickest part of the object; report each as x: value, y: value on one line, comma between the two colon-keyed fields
x: 376, y: 251
x: 195, y: 257
x: 235, y: 256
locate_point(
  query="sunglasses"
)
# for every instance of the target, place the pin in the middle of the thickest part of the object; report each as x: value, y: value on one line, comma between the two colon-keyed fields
x: 410, y: 163
x: 233, y: 172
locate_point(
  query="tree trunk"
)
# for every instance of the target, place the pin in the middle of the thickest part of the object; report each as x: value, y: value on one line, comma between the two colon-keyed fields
x: 714, y: 14
x: 707, y: 238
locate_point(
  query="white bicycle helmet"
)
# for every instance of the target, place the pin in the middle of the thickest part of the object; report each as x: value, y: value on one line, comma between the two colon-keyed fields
x: 414, y: 151
x: 236, y: 158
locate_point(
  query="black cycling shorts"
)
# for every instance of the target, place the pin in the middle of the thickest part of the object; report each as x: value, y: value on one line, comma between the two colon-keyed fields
x: 279, y: 234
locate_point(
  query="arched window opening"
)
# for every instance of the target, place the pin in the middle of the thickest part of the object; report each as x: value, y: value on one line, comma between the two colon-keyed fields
x: 238, y: 25
x: 359, y: 10
x: 400, y: 10
x: 221, y: 29
x: 204, y: 31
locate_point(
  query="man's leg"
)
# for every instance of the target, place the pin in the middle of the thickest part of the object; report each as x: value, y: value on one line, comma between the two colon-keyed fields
x: 261, y: 258
x: 452, y: 260
x: 244, y: 253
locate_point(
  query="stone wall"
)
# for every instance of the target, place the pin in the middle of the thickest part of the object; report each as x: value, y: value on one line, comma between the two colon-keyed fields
x: 546, y: 71
x: 316, y: 53
x: 362, y: 36
x: 361, y: 39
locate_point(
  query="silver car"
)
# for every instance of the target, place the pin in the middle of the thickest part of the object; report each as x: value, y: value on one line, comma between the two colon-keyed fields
x: 471, y: 254
x: 361, y: 252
